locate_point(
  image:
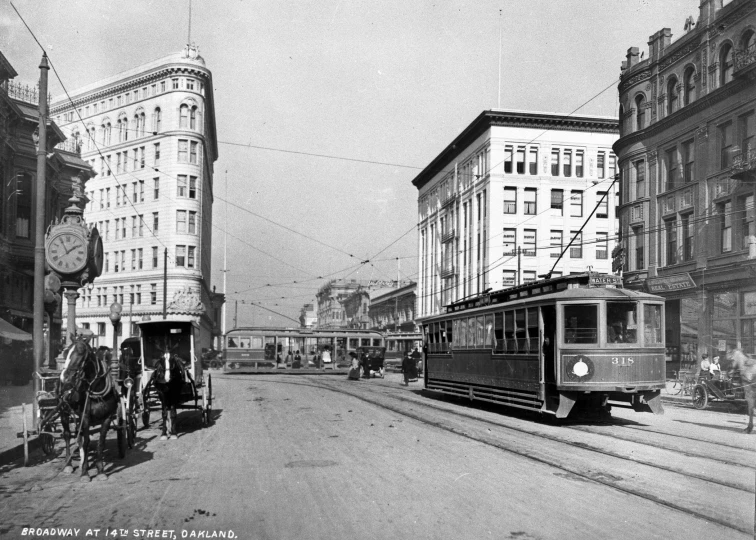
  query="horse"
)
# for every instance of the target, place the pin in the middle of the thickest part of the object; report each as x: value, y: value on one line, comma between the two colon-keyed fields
x: 168, y: 380
x: 746, y: 366
x: 89, y: 393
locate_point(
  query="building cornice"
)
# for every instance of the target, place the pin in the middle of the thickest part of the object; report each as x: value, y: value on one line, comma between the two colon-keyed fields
x: 515, y: 119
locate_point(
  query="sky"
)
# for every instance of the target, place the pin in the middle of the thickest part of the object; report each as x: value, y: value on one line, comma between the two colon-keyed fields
x: 327, y: 110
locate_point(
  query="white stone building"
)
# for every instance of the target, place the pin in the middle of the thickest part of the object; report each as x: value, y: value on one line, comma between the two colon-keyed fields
x: 498, y: 206
x: 149, y: 134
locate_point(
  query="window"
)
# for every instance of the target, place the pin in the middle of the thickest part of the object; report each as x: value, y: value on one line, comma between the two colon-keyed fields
x: 23, y: 205
x: 725, y: 63
x: 123, y: 228
x: 725, y: 145
x: 672, y: 95
x: 174, y: 84
x: 576, y: 249
x: 689, y: 86
x: 133, y: 260
x: 192, y: 187
x: 133, y: 227
x: 138, y: 294
x: 181, y: 221
x: 510, y: 200
x: 157, y: 155
x: 602, y: 212
x: 184, y: 116
x: 530, y: 201
x: 134, y: 196
x: 180, y: 255
x: 156, y: 188
x: 567, y: 163
x: 725, y: 211
x: 555, y: 244
x: 689, y: 159
x: 670, y: 228
x: 154, y: 257
x: 557, y: 201
x: 602, y: 245
x: 533, y: 161
x: 508, y: 157
x: 529, y: 243
x: 192, y: 222
x: 155, y: 221
x: 141, y: 157
x: 622, y: 322
x: 193, y: 152
x: 640, y: 112
x: 190, y: 84
x: 510, y: 241
x: 671, y: 168
x: 576, y: 203
x: 183, y: 147
x: 520, y: 160
x: 687, y: 235
x: 580, y: 323
x: 157, y: 120
x: 555, y: 163
x: 508, y: 278
x: 190, y: 257
x: 529, y: 276
x: 748, y: 224
x: 100, y: 328
x: 141, y: 191
x: 181, y: 185
x: 600, y: 164
x: 747, y: 129
x: 640, y: 179
x: 140, y: 258
x: 153, y: 293
x: 193, y: 118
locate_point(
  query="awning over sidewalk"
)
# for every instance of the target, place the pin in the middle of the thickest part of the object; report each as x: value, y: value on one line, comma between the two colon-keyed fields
x: 7, y: 330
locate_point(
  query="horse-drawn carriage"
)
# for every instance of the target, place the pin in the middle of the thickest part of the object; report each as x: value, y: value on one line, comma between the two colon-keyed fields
x: 172, y: 370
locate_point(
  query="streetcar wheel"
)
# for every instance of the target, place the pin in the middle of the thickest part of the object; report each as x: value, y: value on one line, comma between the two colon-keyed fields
x: 121, y: 435
x: 700, y: 397
x: 48, y: 443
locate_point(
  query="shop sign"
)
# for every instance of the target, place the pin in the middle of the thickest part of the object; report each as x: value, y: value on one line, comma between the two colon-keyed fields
x: 674, y: 282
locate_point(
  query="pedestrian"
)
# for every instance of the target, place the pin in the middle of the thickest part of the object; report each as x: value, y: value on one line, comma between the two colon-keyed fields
x: 408, y: 368
x: 365, y: 361
x: 354, y: 370
x: 297, y: 360
x: 289, y: 358
x: 417, y: 356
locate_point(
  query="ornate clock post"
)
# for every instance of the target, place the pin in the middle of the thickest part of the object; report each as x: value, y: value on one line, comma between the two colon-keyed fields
x: 74, y: 253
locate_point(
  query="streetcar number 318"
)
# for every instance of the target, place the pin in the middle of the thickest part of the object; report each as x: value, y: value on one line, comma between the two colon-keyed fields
x: 622, y: 360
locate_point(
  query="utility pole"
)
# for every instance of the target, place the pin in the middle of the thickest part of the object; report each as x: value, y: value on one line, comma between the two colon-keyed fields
x: 225, y: 258
x: 165, y: 283
x: 519, y: 265
x: 39, y: 232
x: 236, y: 312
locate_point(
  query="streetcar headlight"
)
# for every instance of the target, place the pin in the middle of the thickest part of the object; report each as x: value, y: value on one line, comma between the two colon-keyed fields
x: 128, y: 383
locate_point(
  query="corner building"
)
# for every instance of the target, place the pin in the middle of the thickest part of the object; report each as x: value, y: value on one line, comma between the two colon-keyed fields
x: 149, y: 134
x: 500, y: 204
x: 686, y: 153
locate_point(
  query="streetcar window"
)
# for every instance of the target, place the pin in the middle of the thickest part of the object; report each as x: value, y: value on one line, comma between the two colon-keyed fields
x: 354, y: 343
x: 499, y: 343
x: 376, y: 342
x: 471, y: 343
x: 254, y: 343
x: 490, y: 341
x: 520, y: 333
x: 391, y: 345
x: 621, y: 322
x: 509, y: 331
x: 533, y: 330
x: 462, y: 333
x: 449, y: 334
x: 244, y: 342
x: 365, y: 342
x: 231, y: 343
x: 652, y: 333
x: 480, y: 332
x: 581, y: 323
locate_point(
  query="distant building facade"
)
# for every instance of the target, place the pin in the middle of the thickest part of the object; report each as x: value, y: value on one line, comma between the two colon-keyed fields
x: 308, y: 316
x: 19, y: 120
x: 393, y: 310
x: 503, y: 200
x: 149, y: 134
x: 687, y: 155
x: 330, y: 298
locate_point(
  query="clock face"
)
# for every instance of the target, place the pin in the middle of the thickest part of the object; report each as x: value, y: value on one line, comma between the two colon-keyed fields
x: 98, y: 256
x: 67, y: 253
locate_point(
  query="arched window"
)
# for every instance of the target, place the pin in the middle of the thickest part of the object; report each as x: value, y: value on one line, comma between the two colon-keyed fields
x: 156, y: 120
x: 102, y: 128
x: 184, y: 116
x: 91, y: 142
x: 640, y: 112
x: 725, y: 65
x: 672, y: 95
x: 143, y: 121
x: 193, y: 118
x: 689, y: 82
x: 108, y: 130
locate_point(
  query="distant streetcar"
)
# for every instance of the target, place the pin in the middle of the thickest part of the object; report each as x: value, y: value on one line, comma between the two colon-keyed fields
x: 399, y: 344
x: 577, y: 341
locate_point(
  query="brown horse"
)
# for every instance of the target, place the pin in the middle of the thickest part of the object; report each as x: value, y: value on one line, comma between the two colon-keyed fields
x: 87, y: 392
x: 746, y: 366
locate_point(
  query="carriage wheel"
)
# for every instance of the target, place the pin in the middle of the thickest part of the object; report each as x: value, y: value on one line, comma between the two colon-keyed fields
x: 131, y: 423
x: 146, y: 406
x: 47, y: 440
x: 207, y: 401
x: 700, y: 397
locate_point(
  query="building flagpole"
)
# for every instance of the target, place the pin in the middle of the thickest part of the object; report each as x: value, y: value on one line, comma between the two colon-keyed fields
x: 225, y: 257
x: 499, y: 103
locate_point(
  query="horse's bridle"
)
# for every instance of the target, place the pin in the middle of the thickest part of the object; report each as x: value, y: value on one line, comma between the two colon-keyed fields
x: 78, y: 378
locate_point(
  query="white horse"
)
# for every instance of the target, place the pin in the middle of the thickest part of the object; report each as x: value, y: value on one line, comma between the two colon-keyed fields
x: 746, y: 366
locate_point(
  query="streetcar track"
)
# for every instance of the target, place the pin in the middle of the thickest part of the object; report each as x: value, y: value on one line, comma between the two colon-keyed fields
x: 687, y: 437
x: 597, y: 476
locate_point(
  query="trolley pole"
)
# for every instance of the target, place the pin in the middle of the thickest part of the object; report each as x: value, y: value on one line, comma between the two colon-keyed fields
x: 165, y: 283
x: 39, y: 232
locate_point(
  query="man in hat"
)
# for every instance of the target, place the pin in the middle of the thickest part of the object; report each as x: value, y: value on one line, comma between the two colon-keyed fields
x: 354, y: 370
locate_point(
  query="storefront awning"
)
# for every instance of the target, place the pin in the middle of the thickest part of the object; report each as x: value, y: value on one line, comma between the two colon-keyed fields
x: 7, y: 330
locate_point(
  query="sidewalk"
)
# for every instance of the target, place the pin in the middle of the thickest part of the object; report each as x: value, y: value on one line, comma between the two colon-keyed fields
x: 11, y: 421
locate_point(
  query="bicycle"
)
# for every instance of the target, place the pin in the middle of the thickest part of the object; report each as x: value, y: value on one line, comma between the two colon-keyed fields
x: 681, y: 385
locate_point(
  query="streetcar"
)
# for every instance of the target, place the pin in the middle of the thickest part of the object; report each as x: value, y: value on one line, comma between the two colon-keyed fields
x: 265, y: 349
x: 573, y: 342
x: 400, y: 344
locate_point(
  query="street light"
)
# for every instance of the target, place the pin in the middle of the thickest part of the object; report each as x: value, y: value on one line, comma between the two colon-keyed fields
x: 115, y: 318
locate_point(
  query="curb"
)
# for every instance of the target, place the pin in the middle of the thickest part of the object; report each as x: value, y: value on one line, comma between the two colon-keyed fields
x: 9, y: 456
